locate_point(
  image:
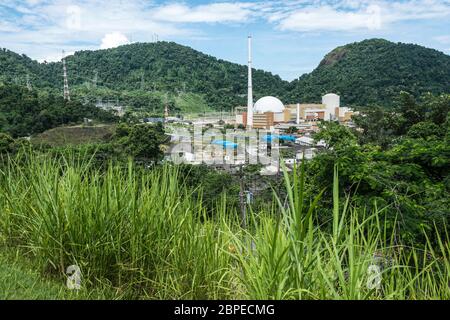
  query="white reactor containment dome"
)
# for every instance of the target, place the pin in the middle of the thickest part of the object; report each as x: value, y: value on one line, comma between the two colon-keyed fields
x: 269, y: 104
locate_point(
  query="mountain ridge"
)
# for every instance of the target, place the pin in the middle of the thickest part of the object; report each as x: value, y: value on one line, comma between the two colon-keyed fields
x: 374, y: 71
x: 369, y: 72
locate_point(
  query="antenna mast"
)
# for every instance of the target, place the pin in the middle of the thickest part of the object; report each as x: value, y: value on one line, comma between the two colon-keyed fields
x: 66, y: 83
x: 250, y: 87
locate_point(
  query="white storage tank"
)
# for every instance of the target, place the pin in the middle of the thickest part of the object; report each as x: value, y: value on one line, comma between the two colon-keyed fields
x: 331, y: 101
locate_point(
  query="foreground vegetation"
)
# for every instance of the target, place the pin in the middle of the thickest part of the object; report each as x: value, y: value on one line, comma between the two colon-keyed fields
x: 23, y: 112
x: 365, y: 219
x: 141, y: 234
x: 20, y: 279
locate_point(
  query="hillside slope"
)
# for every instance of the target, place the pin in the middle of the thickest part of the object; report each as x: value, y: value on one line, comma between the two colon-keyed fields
x: 363, y: 73
x: 162, y: 67
x: 15, y: 68
x: 374, y: 72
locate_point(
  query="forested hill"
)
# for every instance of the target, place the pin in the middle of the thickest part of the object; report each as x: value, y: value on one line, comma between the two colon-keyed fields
x: 162, y: 66
x: 364, y: 73
x: 374, y: 72
x: 15, y: 68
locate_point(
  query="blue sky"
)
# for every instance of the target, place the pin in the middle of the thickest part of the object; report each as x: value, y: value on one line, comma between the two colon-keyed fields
x: 290, y: 36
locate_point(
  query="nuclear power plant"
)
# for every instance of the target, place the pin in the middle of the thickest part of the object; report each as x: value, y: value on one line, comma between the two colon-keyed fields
x: 270, y: 113
x: 290, y: 126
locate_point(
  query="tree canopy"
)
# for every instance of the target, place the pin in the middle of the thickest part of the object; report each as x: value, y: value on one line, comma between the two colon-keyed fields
x: 405, y: 168
x: 363, y: 73
x: 23, y: 113
x: 373, y: 72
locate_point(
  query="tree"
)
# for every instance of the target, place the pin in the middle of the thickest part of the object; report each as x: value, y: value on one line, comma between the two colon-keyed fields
x: 425, y: 130
x: 410, y: 176
x: 10, y: 145
x: 376, y: 125
x: 410, y: 111
x: 210, y: 185
x: 335, y: 135
x: 6, y: 143
x: 141, y: 141
x: 292, y: 129
x: 24, y: 113
x: 437, y: 108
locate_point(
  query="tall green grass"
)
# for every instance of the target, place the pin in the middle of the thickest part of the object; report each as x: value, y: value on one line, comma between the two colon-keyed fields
x: 143, y: 234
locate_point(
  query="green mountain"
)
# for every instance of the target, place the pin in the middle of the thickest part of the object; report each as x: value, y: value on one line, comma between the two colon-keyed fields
x: 374, y: 72
x: 148, y: 75
x: 146, y: 67
x: 15, y: 68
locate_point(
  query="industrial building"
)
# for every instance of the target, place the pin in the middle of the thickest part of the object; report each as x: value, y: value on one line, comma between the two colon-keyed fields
x: 270, y: 111
x: 267, y: 113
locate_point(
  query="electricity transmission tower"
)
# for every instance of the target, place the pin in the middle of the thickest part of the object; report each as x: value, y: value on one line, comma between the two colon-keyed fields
x: 66, y: 82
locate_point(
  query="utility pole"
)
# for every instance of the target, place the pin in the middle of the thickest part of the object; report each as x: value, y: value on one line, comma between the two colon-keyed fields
x: 242, y: 204
x: 66, y: 82
x: 250, y: 87
x: 166, y: 108
x: 166, y: 111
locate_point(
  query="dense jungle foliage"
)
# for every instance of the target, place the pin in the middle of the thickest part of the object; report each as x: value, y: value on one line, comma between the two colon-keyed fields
x: 152, y: 74
x: 23, y: 113
x: 373, y: 72
x: 398, y: 160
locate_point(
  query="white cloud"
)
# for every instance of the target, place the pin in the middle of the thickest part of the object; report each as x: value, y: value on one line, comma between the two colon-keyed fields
x: 6, y: 26
x: 327, y: 18
x: 443, y: 39
x: 216, y: 12
x: 416, y: 9
x: 55, y: 57
x: 348, y: 15
x: 114, y: 39
x: 42, y: 28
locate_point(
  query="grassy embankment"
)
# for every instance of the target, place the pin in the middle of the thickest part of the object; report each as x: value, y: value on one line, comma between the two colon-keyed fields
x: 140, y: 234
x: 74, y: 135
x: 21, y: 279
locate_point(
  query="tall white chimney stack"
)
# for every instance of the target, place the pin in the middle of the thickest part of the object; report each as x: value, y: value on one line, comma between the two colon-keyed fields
x: 250, y: 86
